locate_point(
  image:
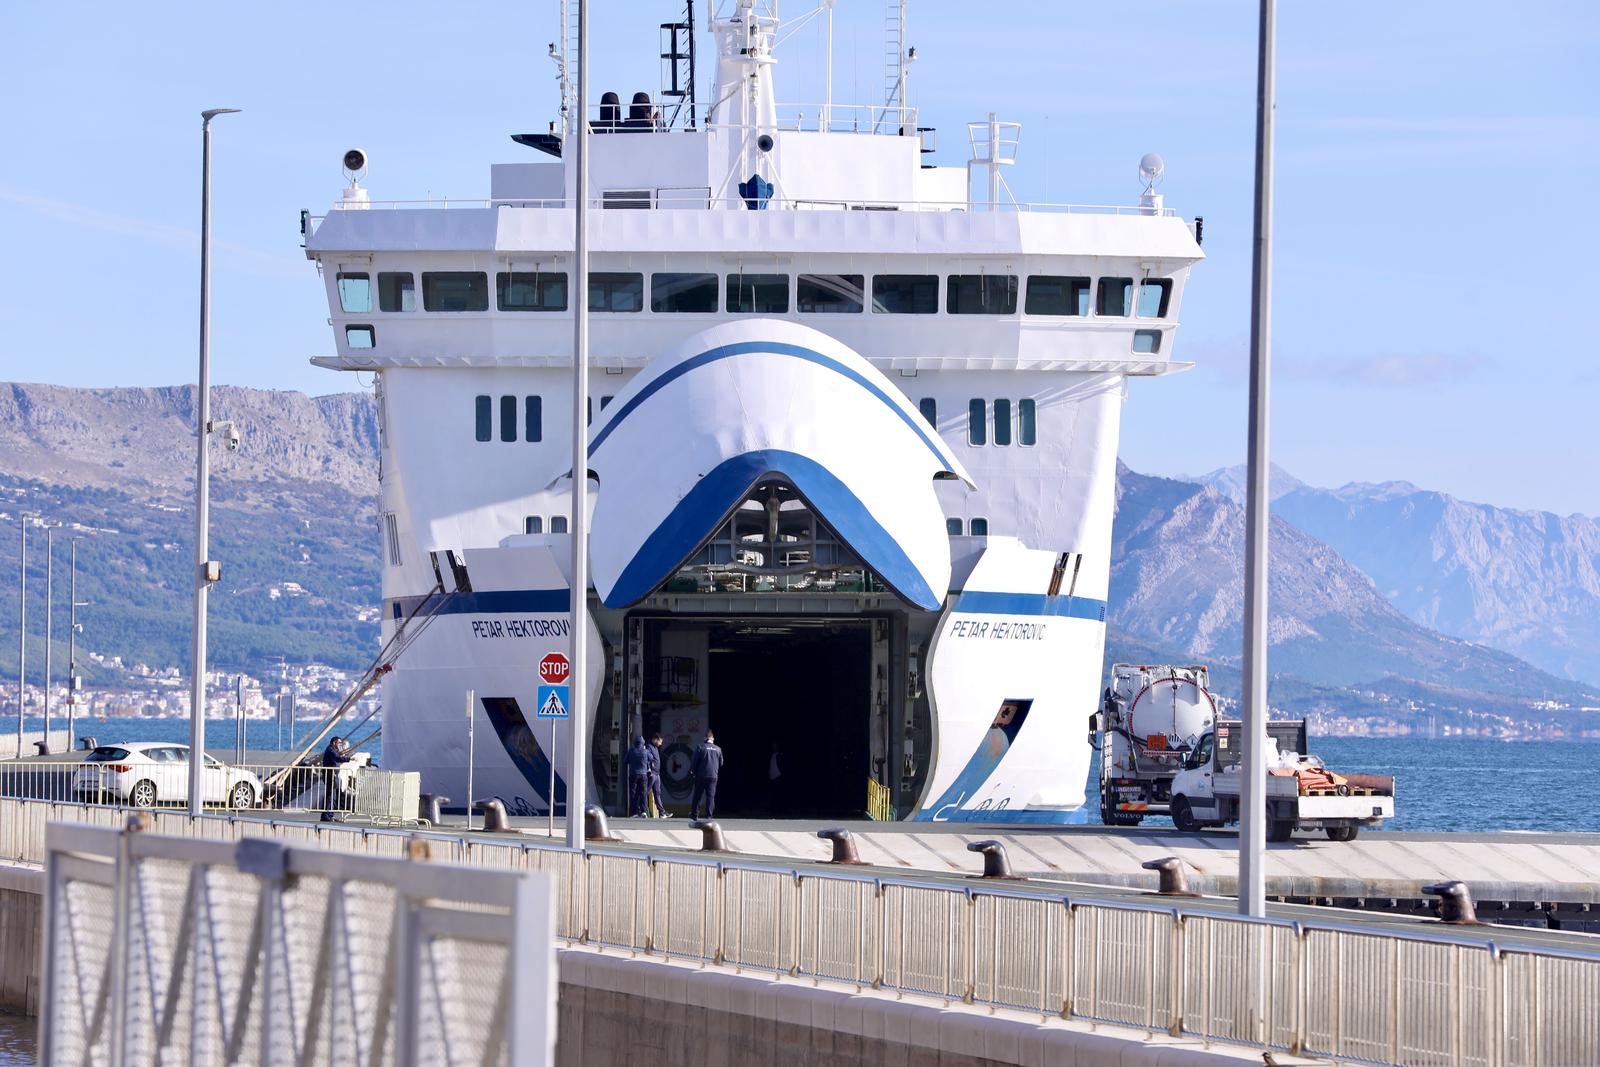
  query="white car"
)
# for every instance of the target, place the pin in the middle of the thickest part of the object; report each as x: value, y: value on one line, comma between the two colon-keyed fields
x: 147, y: 773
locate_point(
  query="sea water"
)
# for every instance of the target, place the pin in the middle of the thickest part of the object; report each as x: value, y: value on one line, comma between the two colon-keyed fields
x: 1444, y: 785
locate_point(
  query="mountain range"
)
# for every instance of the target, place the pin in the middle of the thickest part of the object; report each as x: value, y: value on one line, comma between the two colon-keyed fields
x: 1388, y: 601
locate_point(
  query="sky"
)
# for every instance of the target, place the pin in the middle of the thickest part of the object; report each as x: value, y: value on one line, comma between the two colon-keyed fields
x: 1434, y: 237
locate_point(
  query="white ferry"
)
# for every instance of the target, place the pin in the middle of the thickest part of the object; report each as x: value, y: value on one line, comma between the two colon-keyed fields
x: 852, y: 447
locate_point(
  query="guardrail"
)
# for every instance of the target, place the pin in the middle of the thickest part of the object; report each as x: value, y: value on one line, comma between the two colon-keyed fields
x: 345, y: 791
x: 706, y: 202
x: 1321, y: 989
x: 173, y: 950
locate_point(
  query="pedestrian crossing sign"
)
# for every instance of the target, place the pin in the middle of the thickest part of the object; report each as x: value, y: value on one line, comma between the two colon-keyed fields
x: 552, y: 702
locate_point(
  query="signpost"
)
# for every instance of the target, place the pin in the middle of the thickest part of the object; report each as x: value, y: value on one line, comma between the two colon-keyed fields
x: 554, y: 702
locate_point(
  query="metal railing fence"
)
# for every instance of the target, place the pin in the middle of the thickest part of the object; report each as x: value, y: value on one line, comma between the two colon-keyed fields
x: 1324, y: 989
x: 350, y: 790
x: 175, y: 950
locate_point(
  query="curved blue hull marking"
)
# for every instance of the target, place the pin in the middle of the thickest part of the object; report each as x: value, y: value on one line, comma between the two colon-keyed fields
x: 705, y: 507
x: 917, y: 424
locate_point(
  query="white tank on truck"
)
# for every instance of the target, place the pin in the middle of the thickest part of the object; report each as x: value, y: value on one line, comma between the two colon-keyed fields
x: 1150, y: 719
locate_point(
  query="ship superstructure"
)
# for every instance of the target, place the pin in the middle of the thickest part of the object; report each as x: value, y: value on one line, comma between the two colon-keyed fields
x: 852, y: 449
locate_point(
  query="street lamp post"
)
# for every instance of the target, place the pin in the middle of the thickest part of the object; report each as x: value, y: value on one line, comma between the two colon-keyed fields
x: 74, y: 682
x: 22, y: 631
x: 49, y: 628
x: 578, y: 723
x: 205, y: 570
x: 1253, y: 771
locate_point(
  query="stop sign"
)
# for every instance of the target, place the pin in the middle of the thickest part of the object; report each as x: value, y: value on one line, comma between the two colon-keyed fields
x: 554, y: 668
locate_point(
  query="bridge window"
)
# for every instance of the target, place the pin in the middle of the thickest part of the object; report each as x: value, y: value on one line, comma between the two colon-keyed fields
x: 1154, y: 295
x: 905, y: 294
x: 1002, y: 422
x: 1027, y: 423
x: 533, y: 524
x: 952, y: 527
x: 1146, y: 342
x: 483, y: 407
x: 455, y: 290
x: 980, y: 527
x: 355, y: 292
x: 360, y: 336
x: 533, y: 418
x: 761, y: 294
x: 690, y: 293
x: 1115, y: 293
x: 508, y: 418
x: 830, y: 294
x: 930, y: 410
x: 558, y: 524
x: 1050, y: 294
x: 397, y: 291
x: 530, y: 291
x: 612, y: 291
x: 977, y: 423
x: 980, y: 294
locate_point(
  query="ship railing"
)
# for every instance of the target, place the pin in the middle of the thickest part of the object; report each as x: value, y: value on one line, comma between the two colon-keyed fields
x: 351, y: 791
x: 889, y: 119
x: 1322, y: 989
x: 701, y: 200
x: 164, y: 949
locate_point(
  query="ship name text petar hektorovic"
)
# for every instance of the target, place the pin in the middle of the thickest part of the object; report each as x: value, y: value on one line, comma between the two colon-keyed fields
x: 853, y: 425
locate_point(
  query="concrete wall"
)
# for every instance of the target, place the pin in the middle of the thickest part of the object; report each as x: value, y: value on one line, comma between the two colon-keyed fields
x: 21, y: 923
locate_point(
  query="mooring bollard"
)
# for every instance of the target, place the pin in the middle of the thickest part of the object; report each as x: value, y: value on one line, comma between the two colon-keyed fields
x: 88, y: 744
x: 494, y: 815
x: 1173, y: 882
x: 428, y: 808
x: 844, y: 844
x: 710, y: 836
x: 42, y: 748
x: 1455, y: 903
x: 995, y: 864
x: 594, y: 825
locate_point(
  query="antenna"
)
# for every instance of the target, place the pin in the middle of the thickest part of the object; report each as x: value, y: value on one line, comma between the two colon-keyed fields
x: 1151, y: 169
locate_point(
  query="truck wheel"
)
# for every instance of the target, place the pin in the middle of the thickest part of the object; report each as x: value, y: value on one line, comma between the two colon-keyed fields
x: 1280, y: 830
x: 1183, y: 815
x: 1343, y: 833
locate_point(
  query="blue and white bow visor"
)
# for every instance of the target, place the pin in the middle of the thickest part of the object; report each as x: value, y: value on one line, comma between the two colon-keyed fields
x: 682, y: 446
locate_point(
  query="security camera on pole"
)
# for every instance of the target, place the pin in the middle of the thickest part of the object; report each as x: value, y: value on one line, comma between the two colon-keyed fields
x: 206, y: 571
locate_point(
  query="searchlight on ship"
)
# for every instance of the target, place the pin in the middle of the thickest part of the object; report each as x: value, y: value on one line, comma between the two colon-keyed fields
x: 853, y: 425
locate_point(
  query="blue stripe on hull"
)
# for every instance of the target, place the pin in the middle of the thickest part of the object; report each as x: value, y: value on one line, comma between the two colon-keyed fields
x: 982, y: 602
x: 1012, y: 816
x: 489, y: 602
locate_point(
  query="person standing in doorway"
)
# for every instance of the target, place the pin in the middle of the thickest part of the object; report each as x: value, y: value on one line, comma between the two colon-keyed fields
x: 774, y: 781
x: 705, y: 767
x: 638, y: 764
x: 655, y: 777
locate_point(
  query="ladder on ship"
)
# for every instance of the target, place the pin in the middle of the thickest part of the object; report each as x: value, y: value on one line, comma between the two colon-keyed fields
x: 894, y: 57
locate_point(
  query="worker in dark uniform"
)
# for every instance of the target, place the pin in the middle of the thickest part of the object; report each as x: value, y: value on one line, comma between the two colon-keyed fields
x: 655, y: 776
x: 336, y: 755
x: 638, y: 764
x: 705, y: 767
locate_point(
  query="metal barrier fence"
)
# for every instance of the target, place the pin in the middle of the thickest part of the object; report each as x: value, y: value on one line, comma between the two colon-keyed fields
x: 349, y: 791
x: 1323, y: 989
x: 180, y: 950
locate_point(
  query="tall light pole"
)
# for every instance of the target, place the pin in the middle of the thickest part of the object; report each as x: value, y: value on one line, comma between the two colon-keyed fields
x: 49, y: 628
x: 74, y: 682
x: 22, y: 631
x: 578, y: 712
x: 1258, y: 499
x: 205, y: 571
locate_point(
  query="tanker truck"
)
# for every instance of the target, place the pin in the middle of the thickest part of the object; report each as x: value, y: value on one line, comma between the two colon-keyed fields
x: 1150, y: 719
